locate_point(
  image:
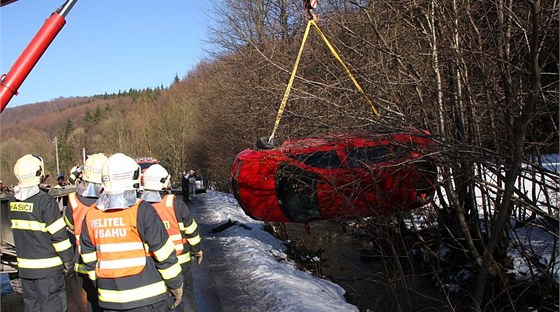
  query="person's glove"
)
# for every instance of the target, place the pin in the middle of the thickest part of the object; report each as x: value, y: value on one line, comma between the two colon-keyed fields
x: 177, y: 294
x: 199, y: 255
x: 75, y: 174
x: 69, y: 268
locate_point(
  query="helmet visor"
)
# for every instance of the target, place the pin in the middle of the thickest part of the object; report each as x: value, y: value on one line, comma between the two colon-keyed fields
x: 151, y: 196
x: 121, y: 200
x: 87, y: 189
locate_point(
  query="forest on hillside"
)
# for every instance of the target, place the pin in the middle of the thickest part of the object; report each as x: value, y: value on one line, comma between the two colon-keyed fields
x: 481, y: 76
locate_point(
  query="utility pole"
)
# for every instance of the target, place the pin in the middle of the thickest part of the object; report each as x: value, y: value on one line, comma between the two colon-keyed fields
x: 56, y: 153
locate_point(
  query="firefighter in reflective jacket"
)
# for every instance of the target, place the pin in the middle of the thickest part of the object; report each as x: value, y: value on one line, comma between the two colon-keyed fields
x: 125, y: 248
x: 182, y: 228
x: 79, y: 202
x: 44, y: 252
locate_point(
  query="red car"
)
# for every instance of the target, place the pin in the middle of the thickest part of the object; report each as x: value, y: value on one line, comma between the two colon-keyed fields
x: 340, y: 176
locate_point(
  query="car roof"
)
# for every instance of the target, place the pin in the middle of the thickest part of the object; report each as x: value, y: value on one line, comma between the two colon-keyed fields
x: 334, y: 141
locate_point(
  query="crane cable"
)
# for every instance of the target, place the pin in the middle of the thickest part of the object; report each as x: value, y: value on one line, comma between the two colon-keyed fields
x: 294, y: 70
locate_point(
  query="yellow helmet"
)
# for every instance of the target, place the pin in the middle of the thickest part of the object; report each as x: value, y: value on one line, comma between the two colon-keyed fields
x: 120, y: 173
x: 29, y: 170
x: 156, y: 178
x: 93, y: 168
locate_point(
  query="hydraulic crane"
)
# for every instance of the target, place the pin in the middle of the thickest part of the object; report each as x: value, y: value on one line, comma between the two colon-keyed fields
x: 10, y: 82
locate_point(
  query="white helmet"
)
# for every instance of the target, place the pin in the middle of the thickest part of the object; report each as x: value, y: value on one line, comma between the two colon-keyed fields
x: 93, y: 168
x: 120, y: 173
x: 29, y: 170
x: 156, y: 178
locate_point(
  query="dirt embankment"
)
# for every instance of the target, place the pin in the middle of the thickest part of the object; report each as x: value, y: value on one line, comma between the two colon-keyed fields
x: 345, y: 256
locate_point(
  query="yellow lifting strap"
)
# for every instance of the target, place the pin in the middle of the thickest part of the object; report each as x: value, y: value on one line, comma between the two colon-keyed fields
x: 294, y: 70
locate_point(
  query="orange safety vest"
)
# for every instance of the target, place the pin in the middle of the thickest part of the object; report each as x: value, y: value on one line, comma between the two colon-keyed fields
x: 79, y: 211
x: 119, y: 247
x: 166, y: 212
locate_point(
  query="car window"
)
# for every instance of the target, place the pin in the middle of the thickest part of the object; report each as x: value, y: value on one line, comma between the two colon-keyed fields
x: 402, y: 151
x: 358, y: 156
x: 368, y: 155
x: 327, y: 160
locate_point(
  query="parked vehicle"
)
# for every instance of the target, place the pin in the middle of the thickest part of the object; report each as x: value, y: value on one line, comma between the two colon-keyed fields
x: 145, y: 163
x: 335, y: 176
x: 200, y: 184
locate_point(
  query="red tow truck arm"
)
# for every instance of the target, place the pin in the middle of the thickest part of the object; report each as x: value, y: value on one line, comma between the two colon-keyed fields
x: 10, y: 82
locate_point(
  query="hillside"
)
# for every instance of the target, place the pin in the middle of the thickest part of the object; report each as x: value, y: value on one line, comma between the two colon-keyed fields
x: 32, y: 129
x: 47, y: 117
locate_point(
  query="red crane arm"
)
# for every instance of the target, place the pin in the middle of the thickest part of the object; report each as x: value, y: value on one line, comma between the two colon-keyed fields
x: 6, y: 2
x: 10, y: 82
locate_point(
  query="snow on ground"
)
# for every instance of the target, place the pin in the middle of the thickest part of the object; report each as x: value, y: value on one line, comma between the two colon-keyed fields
x: 244, y: 269
x: 247, y: 269
x: 270, y: 281
x: 533, y: 241
x: 538, y: 245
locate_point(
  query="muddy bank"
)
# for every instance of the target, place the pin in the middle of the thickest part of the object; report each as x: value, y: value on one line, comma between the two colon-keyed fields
x: 370, y: 282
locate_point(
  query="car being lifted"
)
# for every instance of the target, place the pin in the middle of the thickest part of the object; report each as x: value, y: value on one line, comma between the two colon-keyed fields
x: 336, y: 177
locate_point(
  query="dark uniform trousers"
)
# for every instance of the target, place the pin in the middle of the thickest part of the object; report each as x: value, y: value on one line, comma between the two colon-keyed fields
x: 187, y: 301
x: 91, y: 294
x: 47, y: 294
x: 162, y: 306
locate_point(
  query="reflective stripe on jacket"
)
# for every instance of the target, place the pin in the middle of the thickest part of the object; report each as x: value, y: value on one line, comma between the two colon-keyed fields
x: 161, y: 270
x: 40, y: 236
x: 79, y: 211
x: 120, y: 250
x: 166, y: 211
x: 78, y: 206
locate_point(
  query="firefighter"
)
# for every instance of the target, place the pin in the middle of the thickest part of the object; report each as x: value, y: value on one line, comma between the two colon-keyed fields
x: 87, y: 192
x: 125, y: 248
x: 44, y: 252
x: 182, y: 228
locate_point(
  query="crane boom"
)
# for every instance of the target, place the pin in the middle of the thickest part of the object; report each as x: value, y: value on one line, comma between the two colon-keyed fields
x: 6, y: 2
x: 10, y: 82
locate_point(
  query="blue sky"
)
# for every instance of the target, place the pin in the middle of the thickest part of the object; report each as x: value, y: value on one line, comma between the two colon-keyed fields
x: 105, y: 46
